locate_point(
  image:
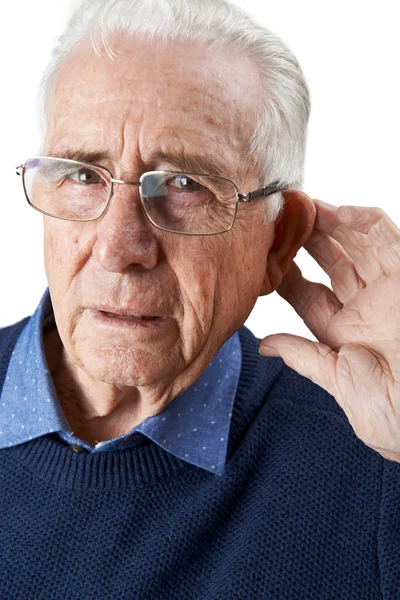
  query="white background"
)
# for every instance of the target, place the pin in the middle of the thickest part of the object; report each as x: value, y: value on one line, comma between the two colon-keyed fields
x: 349, y: 51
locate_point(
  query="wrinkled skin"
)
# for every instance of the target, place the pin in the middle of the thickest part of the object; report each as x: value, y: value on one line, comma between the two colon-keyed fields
x: 188, y: 103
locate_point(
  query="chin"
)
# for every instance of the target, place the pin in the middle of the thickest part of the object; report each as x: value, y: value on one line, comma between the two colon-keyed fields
x: 128, y: 368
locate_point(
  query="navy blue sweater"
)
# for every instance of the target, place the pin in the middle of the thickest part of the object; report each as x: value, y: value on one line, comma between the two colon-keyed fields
x: 304, y: 509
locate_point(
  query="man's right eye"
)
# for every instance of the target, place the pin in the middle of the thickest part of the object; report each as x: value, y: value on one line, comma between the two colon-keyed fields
x: 86, y: 176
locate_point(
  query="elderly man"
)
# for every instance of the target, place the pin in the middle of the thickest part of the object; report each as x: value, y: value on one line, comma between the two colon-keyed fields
x: 148, y: 450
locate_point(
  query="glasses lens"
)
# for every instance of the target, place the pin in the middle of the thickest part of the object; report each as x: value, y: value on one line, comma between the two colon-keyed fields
x: 66, y: 188
x: 187, y: 203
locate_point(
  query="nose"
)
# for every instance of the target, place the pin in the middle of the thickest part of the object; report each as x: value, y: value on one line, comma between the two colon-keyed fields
x: 125, y: 236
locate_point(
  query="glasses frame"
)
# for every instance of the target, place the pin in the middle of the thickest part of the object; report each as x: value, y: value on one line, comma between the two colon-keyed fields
x: 240, y: 197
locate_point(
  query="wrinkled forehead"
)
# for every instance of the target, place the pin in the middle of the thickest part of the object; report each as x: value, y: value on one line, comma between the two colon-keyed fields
x: 155, y: 95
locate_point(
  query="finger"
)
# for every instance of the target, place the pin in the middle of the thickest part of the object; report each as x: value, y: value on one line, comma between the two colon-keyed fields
x: 335, y: 261
x: 310, y: 359
x: 314, y: 302
x: 371, y: 221
x: 357, y: 245
x: 380, y: 229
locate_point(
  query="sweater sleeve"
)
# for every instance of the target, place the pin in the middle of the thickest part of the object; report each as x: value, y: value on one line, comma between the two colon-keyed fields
x: 389, y: 531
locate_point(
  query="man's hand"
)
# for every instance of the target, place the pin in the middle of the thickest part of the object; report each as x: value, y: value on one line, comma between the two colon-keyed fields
x: 357, y: 358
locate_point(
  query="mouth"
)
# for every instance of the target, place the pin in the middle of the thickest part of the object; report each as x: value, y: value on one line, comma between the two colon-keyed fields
x: 129, y: 317
x: 109, y: 319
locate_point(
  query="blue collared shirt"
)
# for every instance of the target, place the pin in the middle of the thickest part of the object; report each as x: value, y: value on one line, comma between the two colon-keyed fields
x: 193, y: 427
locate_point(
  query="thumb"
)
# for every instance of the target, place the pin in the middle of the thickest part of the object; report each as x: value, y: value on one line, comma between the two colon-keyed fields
x: 313, y: 360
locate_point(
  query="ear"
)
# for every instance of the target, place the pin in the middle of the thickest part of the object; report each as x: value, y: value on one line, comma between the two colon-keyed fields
x: 292, y: 231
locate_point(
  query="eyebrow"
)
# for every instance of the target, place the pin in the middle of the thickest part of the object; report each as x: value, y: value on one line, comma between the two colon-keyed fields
x: 81, y: 155
x: 195, y: 163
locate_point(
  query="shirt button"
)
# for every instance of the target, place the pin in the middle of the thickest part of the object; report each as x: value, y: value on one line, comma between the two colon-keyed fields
x: 77, y: 448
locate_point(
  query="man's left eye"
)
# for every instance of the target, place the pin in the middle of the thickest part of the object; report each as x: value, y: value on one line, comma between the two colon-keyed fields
x: 185, y: 183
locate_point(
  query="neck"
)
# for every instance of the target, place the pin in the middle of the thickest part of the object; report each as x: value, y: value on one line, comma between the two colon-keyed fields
x: 98, y: 411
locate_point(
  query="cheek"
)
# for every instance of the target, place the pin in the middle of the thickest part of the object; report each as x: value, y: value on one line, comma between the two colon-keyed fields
x: 242, y: 272
x: 196, y: 269
x: 64, y: 252
x: 195, y: 263
x: 217, y: 283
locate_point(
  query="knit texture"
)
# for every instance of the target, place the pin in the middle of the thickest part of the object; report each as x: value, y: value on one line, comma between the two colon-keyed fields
x: 304, y: 509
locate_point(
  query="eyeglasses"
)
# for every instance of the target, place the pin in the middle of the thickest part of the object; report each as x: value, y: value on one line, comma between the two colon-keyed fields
x: 185, y: 203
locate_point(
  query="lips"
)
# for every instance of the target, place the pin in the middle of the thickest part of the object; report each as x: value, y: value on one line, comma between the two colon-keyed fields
x: 142, y: 325
x: 134, y: 312
x: 130, y: 317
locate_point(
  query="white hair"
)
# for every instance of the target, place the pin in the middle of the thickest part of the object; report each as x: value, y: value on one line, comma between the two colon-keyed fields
x: 277, y: 147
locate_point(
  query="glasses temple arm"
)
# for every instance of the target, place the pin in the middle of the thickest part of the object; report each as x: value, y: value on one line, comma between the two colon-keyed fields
x: 264, y: 191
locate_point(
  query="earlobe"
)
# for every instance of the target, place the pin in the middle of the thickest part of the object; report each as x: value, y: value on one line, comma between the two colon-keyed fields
x: 273, y: 275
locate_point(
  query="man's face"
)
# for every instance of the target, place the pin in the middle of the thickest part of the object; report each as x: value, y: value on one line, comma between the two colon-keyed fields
x: 153, y: 104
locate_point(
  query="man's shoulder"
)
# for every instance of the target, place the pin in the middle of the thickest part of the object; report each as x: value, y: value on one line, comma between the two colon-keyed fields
x: 9, y: 332
x: 271, y: 394
x: 296, y: 417
x: 286, y: 381
x: 8, y: 338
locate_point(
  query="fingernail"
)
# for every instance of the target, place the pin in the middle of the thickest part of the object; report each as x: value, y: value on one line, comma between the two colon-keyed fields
x: 267, y: 351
